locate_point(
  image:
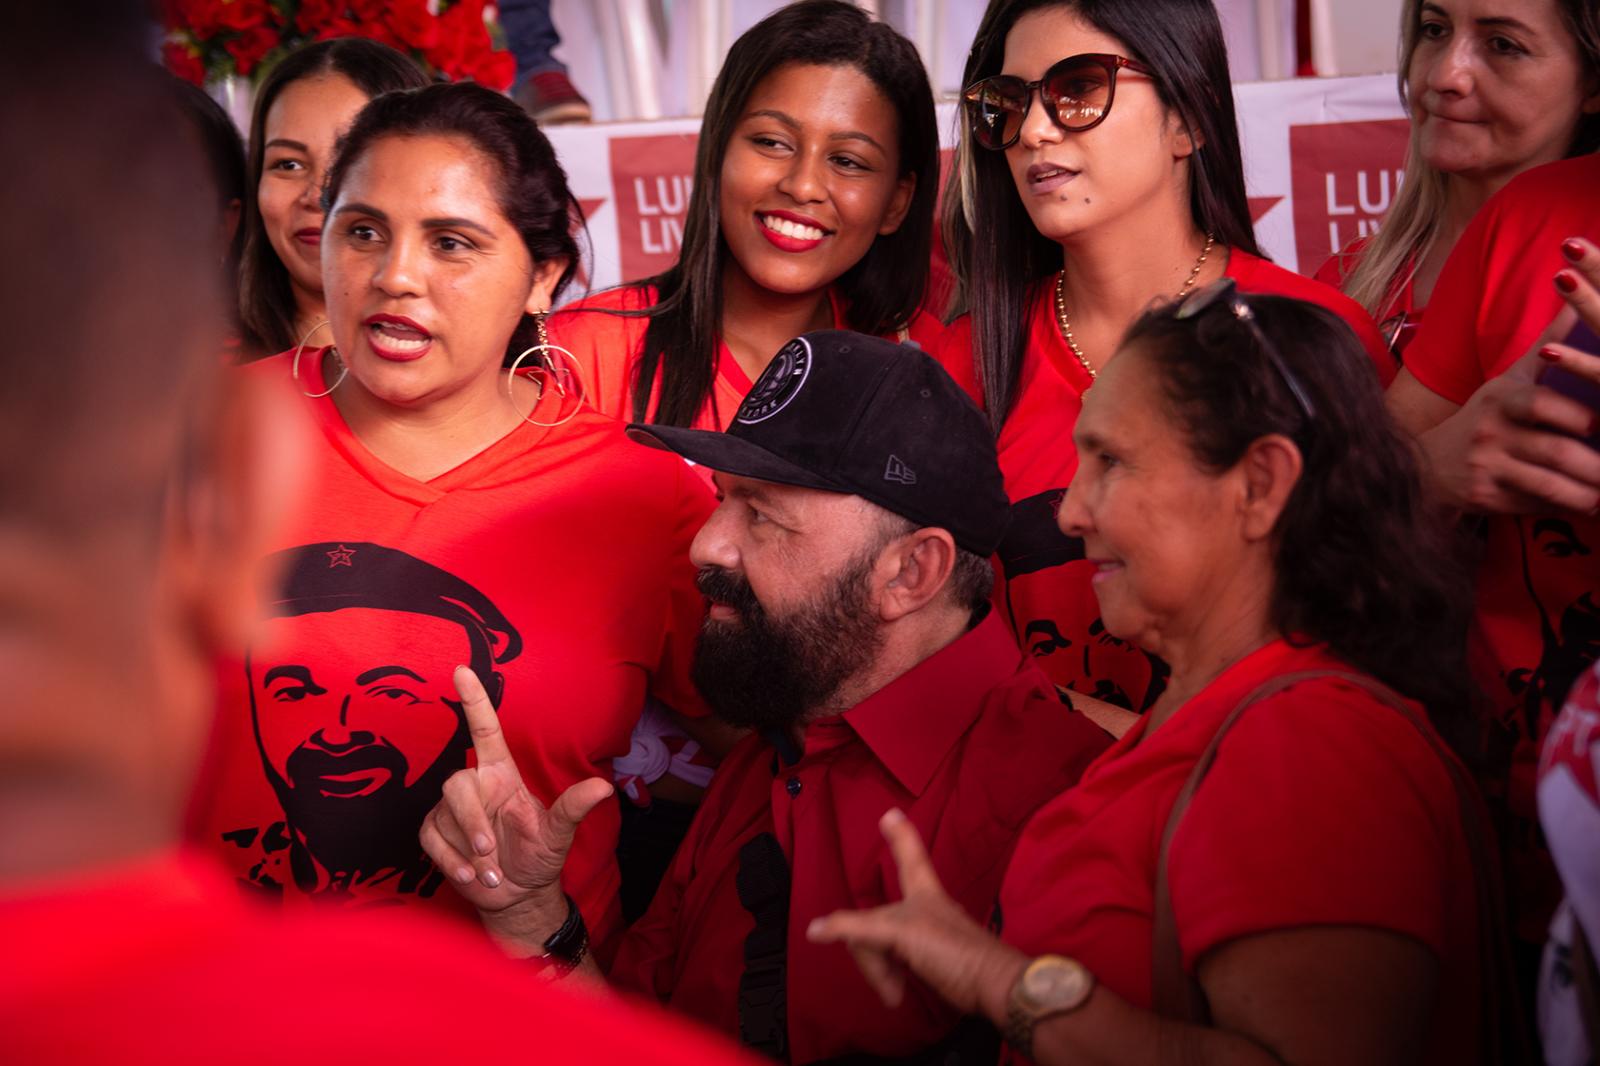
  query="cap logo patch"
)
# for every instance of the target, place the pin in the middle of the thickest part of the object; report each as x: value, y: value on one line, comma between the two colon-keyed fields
x: 899, y: 472
x: 779, y: 384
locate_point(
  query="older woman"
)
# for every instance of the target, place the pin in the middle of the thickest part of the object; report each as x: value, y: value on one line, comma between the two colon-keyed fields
x: 1272, y: 866
x: 1494, y: 88
x: 461, y: 513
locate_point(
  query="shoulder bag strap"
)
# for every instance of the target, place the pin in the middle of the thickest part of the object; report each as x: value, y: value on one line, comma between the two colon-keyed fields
x: 1178, y: 995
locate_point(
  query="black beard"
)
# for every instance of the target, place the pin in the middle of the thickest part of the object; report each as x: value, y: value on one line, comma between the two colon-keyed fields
x: 357, y: 837
x: 770, y: 673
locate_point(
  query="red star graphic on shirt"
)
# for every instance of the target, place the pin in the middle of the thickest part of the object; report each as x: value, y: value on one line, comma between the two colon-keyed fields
x: 340, y: 556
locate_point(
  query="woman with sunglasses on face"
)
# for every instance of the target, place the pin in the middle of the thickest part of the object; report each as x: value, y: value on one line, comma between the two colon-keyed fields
x: 1098, y: 170
x: 815, y: 179
x: 1282, y: 861
x: 1494, y: 88
x: 305, y: 104
x: 466, y: 510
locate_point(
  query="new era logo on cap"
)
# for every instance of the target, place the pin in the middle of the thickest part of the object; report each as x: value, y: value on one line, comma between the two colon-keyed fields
x: 899, y: 472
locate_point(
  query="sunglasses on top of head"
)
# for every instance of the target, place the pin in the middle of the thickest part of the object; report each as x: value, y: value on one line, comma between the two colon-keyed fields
x: 1223, y: 294
x: 1077, y: 93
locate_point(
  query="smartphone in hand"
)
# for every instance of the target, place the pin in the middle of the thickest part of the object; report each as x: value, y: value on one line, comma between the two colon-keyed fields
x: 1571, y: 385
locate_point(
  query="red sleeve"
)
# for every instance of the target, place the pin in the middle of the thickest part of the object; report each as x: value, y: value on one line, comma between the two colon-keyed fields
x: 670, y: 681
x: 1324, y: 807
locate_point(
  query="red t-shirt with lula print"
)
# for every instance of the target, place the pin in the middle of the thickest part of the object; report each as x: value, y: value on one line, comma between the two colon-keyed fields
x: 1044, y: 588
x: 609, y: 346
x: 1537, y: 622
x: 554, y: 563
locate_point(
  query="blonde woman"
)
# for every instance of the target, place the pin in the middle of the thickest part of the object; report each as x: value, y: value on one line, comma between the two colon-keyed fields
x: 1494, y: 88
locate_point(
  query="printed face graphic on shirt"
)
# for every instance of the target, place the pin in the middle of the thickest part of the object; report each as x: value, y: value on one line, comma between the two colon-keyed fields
x: 1045, y: 571
x: 355, y: 710
x: 1569, y: 617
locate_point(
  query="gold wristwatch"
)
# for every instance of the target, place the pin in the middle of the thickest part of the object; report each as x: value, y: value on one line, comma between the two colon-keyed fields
x: 1051, y: 985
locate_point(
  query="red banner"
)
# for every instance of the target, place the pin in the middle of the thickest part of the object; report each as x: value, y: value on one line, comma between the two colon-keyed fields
x: 651, y: 178
x: 1345, y: 174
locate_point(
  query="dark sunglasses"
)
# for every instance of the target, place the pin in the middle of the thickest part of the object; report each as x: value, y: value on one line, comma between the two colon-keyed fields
x: 1077, y: 93
x: 1224, y: 293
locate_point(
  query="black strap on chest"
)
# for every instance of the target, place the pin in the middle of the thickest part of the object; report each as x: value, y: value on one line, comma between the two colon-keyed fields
x: 763, y: 883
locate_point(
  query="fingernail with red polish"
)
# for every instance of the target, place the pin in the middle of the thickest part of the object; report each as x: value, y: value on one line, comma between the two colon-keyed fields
x: 1550, y: 355
x: 1566, y: 282
x: 1572, y: 249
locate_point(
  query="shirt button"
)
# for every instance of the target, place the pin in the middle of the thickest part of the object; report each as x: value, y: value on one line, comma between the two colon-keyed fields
x: 793, y: 786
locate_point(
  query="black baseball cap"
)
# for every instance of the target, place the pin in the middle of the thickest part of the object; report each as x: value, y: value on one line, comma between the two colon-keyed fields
x: 845, y: 412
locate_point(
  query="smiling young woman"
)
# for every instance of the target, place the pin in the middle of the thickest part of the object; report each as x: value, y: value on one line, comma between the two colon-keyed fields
x: 302, y: 108
x: 1495, y: 88
x: 815, y: 179
x: 457, y: 513
x: 1099, y: 169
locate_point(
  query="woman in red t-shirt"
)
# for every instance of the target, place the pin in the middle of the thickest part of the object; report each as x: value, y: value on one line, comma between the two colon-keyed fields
x: 1315, y: 896
x: 1492, y: 92
x: 307, y: 101
x: 458, y: 514
x: 814, y: 185
x: 1073, y: 205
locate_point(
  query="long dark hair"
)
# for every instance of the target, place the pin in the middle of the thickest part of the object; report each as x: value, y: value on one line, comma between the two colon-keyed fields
x: 266, y: 301
x: 1364, y: 561
x: 532, y: 191
x: 882, y: 291
x: 996, y: 253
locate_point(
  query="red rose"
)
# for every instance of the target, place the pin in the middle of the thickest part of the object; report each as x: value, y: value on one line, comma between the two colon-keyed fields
x: 250, y: 47
x: 201, y: 18
x: 379, y: 31
x: 367, y: 10
x: 495, y: 70
x: 184, y: 61
x: 338, y: 27
x: 451, y: 43
x: 412, y: 23
x: 316, y: 15
x: 245, y: 14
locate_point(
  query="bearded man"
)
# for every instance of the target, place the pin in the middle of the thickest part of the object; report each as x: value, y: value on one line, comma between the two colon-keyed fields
x: 848, y: 578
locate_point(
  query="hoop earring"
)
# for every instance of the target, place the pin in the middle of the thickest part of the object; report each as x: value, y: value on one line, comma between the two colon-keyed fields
x: 294, y: 368
x: 544, y: 347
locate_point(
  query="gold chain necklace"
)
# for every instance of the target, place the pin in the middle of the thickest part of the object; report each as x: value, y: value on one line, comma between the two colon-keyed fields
x: 1061, y: 303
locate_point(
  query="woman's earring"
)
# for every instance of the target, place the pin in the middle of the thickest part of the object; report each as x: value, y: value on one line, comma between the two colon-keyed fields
x: 557, y: 376
x: 295, y: 366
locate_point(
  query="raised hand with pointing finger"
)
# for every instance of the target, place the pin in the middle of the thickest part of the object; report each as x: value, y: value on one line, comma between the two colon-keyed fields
x: 496, y: 842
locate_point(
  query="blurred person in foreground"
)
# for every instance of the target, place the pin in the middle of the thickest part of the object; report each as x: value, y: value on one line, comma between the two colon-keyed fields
x: 136, y: 481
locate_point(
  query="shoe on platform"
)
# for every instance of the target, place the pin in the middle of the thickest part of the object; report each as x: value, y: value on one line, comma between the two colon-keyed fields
x: 551, y: 99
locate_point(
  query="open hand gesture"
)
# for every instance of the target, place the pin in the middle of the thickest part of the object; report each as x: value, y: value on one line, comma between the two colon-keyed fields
x: 926, y: 932
x: 489, y: 834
